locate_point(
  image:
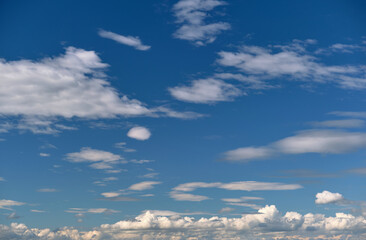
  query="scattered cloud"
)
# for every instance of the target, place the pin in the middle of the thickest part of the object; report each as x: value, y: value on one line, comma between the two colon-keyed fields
x: 99, y: 159
x: 150, y: 175
x: 72, y: 85
x: 143, y: 185
x: 361, y: 171
x: 179, y: 196
x: 291, y: 62
x: 326, y: 197
x: 2, y: 179
x: 126, y: 40
x: 310, y: 141
x: 226, y: 210
x: 139, y: 133
x: 206, y: 91
x: 44, y: 154
x: 141, y: 161
x: 191, y: 16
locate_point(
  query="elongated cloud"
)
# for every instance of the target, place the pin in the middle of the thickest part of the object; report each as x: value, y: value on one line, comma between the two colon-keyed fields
x: 191, y: 17
x: 126, y: 40
x: 143, y: 185
x: 7, y: 204
x: 180, y: 192
x: 311, y: 141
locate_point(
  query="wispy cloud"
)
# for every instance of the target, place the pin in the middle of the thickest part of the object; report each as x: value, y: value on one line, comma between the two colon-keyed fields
x: 143, y: 185
x: 99, y: 159
x: 181, y: 192
x: 208, y: 90
x: 310, y: 141
x: 191, y: 16
x: 7, y: 204
x: 47, y: 190
x: 126, y: 40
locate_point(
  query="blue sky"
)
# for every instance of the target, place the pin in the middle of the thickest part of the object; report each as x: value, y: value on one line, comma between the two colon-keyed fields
x: 174, y: 119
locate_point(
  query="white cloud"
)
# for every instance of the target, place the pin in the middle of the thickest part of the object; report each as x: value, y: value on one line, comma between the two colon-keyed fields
x: 141, y: 161
x: 111, y: 194
x: 70, y: 85
x: 100, y: 159
x: 326, y: 197
x: 2, y: 179
x: 91, y: 210
x: 311, y: 141
x: 346, y: 123
x: 191, y: 16
x: 180, y: 192
x: 143, y: 185
x: 7, y: 204
x: 139, y: 133
x: 206, y: 91
x: 37, y: 211
x: 47, y: 190
x: 63, y: 87
x: 291, y: 62
x: 126, y: 40
x: 44, y: 154
x: 179, y: 196
x: 248, y: 153
x: 267, y: 223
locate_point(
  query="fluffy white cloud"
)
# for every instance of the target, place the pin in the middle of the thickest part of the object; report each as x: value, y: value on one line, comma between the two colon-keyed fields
x: 7, y: 204
x: 311, y: 141
x: 267, y: 223
x: 326, y: 197
x: 139, y: 133
x: 100, y: 159
x: 126, y: 40
x: 143, y: 185
x: 205, y: 91
x: 191, y: 16
x: 71, y: 85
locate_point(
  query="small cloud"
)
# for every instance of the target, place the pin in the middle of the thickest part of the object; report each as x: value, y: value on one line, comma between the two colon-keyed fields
x: 13, y: 216
x: 143, y: 185
x: 37, y: 211
x: 44, y: 154
x: 126, y: 40
x: 7, y: 204
x: 139, y: 133
x: 2, y: 179
x: 47, y: 190
x: 141, y: 161
x: 327, y: 197
x: 226, y: 210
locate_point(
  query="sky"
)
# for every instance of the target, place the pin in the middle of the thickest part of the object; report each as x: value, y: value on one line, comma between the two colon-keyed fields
x: 184, y: 119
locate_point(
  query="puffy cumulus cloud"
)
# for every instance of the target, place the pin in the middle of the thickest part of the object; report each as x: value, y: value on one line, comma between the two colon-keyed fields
x: 310, y: 141
x: 191, y: 16
x: 326, y: 197
x: 267, y: 223
x: 7, y: 204
x: 291, y: 62
x: 126, y: 40
x: 139, y: 133
x: 71, y: 85
x: 143, y: 185
x: 206, y: 91
x: 99, y: 159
